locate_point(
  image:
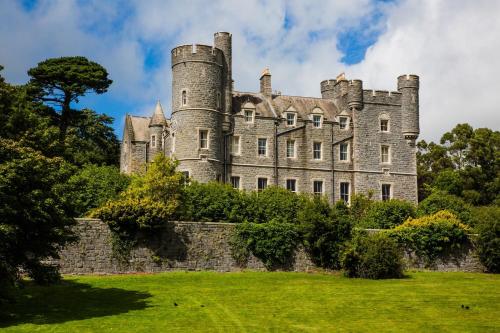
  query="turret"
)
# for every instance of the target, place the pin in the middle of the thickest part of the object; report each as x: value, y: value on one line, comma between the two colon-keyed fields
x: 408, y: 86
x: 355, y: 94
x: 223, y: 41
x: 327, y: 88
x: 156, y: 128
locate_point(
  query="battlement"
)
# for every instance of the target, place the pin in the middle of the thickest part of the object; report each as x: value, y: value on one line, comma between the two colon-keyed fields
x: 197, y: 52
x: 408, y: 81
x: 328, y: 85
x: 381, y: 96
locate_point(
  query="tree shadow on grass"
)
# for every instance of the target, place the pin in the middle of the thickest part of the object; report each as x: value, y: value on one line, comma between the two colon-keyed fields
x: 69, y: 301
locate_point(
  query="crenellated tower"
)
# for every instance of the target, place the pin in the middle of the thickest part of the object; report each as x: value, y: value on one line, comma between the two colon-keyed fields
x: 408, y: 86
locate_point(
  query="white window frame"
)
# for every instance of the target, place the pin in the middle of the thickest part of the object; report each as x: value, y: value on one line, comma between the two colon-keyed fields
x: 252, y: 116
x: 391, y: 191
x: 295, y: 183
x: 388, y: 154
x: 294, y: 151
x: 153, y: 140
x: 257, y: 183
x: 236, y: 152
x: 207, y: 139
x: 347, y: 123
x: 322, y: 186
x: 266, y: 147
x: 320, y: 120
x: 294, y: 119
x: 348, y: 155
x: 388, y: 125
x: 239, y: 181
x: 320, y: 151
x: 348, y: 201
x: 184, y: 97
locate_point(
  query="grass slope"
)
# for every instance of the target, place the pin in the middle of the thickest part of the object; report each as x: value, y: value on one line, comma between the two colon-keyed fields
x: 259, y: 302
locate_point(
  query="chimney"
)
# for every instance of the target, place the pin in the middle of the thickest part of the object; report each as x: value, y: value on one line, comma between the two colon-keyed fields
x: 265, y: 83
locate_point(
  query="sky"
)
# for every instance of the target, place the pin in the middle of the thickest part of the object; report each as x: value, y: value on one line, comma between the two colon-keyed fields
x: 454, y: 46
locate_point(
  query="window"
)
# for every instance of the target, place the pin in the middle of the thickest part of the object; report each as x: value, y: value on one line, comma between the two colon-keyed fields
x: 344, y: 152
x: 261, y: 184
x: 248, y: 116
x: 386, y: 192
x: 235, y: 145
x: 173, y: 143
x: 291, y: 185
x: 318, y: 187
x: 385, y: 154
x: 218, y: 100
x: 384, y: 125
x: 262, y: 147
x: 235, y: 182
x: 290, y: 119
x: 290, y: 148
x: 153, y: 141
x: 203, y: 139
x: 317, y: 120
x: 184, y: 97
x: 317, y: 150
x: 344, y: 192
x: 343, y: 122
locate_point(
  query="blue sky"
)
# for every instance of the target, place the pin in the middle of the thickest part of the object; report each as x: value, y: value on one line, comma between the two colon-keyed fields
x: 301, y: 42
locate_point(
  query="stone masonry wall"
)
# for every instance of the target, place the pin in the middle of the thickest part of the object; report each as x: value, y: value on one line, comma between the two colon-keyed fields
x: 186, y: 246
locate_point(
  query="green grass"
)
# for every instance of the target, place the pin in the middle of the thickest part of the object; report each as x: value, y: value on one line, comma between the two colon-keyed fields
x: 259, y: 302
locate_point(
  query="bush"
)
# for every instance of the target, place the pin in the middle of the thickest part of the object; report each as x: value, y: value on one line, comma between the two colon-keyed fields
x: 487, y: 225
x: 432, y: 236
x: 387, y: 214
x: 374, y: 256
x: 91, y: 187
x: 359, y: 207
x: 274, y: 243
x: 438, y: 201
x: 325, y: 232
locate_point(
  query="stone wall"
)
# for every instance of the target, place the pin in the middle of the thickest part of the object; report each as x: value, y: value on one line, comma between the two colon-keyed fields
x: 190, y: 246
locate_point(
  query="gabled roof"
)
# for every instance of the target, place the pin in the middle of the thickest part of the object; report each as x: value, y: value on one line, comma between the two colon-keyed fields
x: 140, y: 130
x: 158, y: 117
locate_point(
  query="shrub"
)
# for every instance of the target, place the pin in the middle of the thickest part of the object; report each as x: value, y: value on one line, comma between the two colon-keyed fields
x: 359, y: 206
x: 432, y: 236
x: 91, y: 187
x: 325, y: 232
x: 487, y: 225
x: 273, y: 242
x: 374, y: 256
x: 387, y: 214
x: 438, y: 201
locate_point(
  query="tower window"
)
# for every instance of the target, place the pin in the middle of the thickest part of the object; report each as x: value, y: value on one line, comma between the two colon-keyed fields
x: 318, y: 187
x: 235, y: 182
x: 344, y: 192
x: 262, y: 147
x: 386, y: 192
x: 317, y: 150
x: 291, y: 119
x: 235, y: 145
x: 291, y: 185
x: 153, y: 141
x: 248, y: 116
x: 384, y: 125
x: 184, y: 98
x: 385, y: 156
x: 344, y: 152
x: 290, y: 148
x: 317, y: 120
x: 203, y: 139
x: 343, y: 123
x: 261, y: 184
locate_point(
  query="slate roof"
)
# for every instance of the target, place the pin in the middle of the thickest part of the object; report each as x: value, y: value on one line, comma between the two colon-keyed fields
x: 158, y: 117
x: 140, y: 127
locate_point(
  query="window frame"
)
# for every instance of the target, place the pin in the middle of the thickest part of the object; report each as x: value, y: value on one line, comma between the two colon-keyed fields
x: 347, y: 153
x: 252, y: 112
x: 388, y: 154
x: 389, y: 197
x: 239, y: 181
x: 294, y: 181
x: 200, y: 131
x: 347, y: 123
x: 387, y: 130
x: 184, y: 98
x: 342, y: 195
x: 320, y: 120
x: 322, y: 182
x: 153, y: 140
x: 320, y: 150
x: 294, y: 149
x: 238, y: 152
x: 266, y: 147
x: 266, y: 183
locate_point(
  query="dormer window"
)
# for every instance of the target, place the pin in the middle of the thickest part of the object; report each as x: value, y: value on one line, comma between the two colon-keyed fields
x: 344, y: 123
x: 184, y: 98
x: 248, y: 116
x: 317, y: 120
x: 291, y: 118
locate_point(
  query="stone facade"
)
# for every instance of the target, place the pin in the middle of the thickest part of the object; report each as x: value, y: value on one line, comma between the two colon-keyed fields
x: 190, y: 246
x: 352, y: 139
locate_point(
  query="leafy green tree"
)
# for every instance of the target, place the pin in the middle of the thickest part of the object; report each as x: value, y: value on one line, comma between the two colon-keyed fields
x: 439, y: 201
x: 457, y: 143
x: 33, y: 220
x: 62, y: 81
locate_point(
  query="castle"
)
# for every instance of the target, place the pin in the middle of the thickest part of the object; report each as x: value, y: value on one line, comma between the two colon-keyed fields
x: 348, y: 141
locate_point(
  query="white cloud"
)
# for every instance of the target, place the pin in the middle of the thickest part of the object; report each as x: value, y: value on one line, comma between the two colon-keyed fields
x: 452, y: 45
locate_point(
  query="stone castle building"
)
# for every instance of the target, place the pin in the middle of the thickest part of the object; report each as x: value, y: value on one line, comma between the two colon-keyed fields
x: 348, y: 141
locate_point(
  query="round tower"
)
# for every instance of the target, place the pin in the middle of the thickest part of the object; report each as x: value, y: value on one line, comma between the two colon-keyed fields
x: 408, y: 86
x: 157, y: 125
x: 196, y: 123
x: 355, y: 94
x: 327, y: 88
x: 223, y: 41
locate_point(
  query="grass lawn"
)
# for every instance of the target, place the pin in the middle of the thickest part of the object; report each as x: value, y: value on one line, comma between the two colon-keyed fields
x: 259, y: 302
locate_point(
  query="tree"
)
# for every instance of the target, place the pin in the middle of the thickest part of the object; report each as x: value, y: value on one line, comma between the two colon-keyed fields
x: 61, y: 81
x: 33, y: 220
